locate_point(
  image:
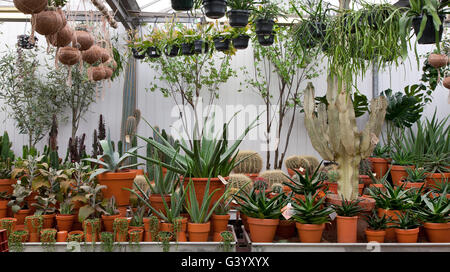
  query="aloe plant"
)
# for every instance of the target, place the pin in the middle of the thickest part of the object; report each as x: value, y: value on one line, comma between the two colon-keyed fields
x: 348, y: 208
x: 374, y: 222
x: 257, y: 205
x: 436, y: 210
x: 307, y: 184
x: 310, y: 210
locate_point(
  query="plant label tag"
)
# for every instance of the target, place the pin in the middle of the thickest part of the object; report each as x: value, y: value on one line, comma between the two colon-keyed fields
x: 222, y: 180
x: 333, y: 215
x: 127, y: 139
x: 287, y: 211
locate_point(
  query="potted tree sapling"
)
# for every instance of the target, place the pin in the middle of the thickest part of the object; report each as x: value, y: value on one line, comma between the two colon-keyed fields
x: 436, y: 217
x: 239, y: 12
x: 113, y: 175
x: 347, y: 220
x: 310, y: 216
x: 407, y: 227
x: 376, y: 227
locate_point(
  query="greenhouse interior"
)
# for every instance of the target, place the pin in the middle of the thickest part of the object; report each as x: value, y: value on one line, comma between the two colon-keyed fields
x: 224, y: 126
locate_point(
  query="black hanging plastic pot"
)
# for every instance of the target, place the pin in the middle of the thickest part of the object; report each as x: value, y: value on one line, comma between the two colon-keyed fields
x: 172, y: 50
x: 241, y: 41
x: 238, y: 17
x: 153, y: 52
x: 182, y: 5
x: 221, y: 44
x: 317, y: 30
x: 428, y: 35
x: 187, y: 49
x: 200, y: 46
x: 266, y: 39
x: 264, y: 26
x: 215, y: 9
x: 137, y: 54
x: 23, y: 41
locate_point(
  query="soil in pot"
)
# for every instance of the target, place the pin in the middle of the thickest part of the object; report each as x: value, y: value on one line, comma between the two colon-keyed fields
x: 437, y: 232
x: 262, y: 230
x: 375, y: 235
x: 198, y: 232
x: 214, y: 9
x: 241, y: 42
x: 264, y: 26
x: 429, y: 33
x: 182, y: 5
x: 238, y: 17
x: 407, y: 235
x: 310, y: 233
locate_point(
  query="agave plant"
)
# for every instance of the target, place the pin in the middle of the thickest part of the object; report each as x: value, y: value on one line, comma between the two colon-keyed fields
x: 257, y: 205
x: 307, y: 184
x: 436, y: 210
x: 393, y: 198
x: 348, y: 208
x: 310, y: 210
x: 375, y: 222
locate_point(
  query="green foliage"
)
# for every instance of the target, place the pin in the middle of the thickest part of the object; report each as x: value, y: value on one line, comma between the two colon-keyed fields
x: 415, y: 174
x: 310, y: 210
x: 307, y: 184
x: 241, y: 4
x: 15, y: 240
x: 257, y: 205
x: 348, y: 208
x: 436, y: 210
x: 407, y: 220
x: 6, y: 156
x: 107, y: 240
x: 374, y: 222
x: 267, y: 10
x: 393, y: 197
x: 381, y: 151
x: 227, y: 238
x: 137, y: 217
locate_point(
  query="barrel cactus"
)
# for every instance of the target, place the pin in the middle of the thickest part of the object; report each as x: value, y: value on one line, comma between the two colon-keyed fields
x: 251, y: 164
x: 274, y: 176
x: 296, y: 162
x: 313, y: 163
x: 239, y: 181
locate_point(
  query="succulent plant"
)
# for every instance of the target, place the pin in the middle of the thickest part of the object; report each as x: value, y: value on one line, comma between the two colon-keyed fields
x: 239, y: 181
x: 365, y: 167
x: 312, y: 161
x: 274, y: 176
x: 251, y: 162
x: 295, y: 162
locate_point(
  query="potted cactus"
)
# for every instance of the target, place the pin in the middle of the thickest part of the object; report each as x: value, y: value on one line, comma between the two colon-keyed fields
x: 435, y: 215
x: 376, y: 227
x: 251, y: 164
x: 347, y: 220
x: 407, y: 227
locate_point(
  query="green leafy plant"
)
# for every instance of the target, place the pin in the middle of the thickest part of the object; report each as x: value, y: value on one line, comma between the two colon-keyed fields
x: 435, y: 210
x: 15, y: 240
x: 137, y: 217
x: 48, y: 239
x: 407, y: 220
x: 93, y: 207
x: 241, y: 4
x: 381, y: 151
x: 258, y: 205
x: 111, y: 207
x: 45, y: 205
x: 415, y: 175
x: 310, y: 210
x: 348, y: 208
x: 165, y: 237
x: 402, y: 157
x: 107, y: 241
x: 227, y: 238
x: 374, y: 222
x: 306, y: 184
x: 393, y: 198
x: 267, y: 10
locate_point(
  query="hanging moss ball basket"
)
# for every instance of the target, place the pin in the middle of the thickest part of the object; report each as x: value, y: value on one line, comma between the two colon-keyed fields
x: 428, y: 35
x: 200, y: 46
x: 187, y: 49
x: 437, y: 60
x: 137, y: 54
x: 241, y: 42
x: 172, y: 50
x: 182, y: 5
x: 105, y: 55
x: 48, y: 22
x: 62, y: 38
x: 446, y: 82
x: 266, y: 39
x: 92, y: 55
x: 83, y: 38
x: 30, y: 6
x: 108, y: 72
x: 215, y: 9
x: 263, y: 26
x: 69, y: 55
x: 153, y: 52
x: 23, y: 41
x: 221, y: 43
x: 97, y: 73
x: 238, y: 17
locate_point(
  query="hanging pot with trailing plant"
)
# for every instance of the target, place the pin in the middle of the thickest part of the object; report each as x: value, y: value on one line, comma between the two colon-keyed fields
x: 215, y: 9
x: 241, y: 41
x: 266, y: 39
x: 182, y: 5
x: 172, y: 50
x: 264, y: 26
x: 201, y: 46
x: 238, y: 17
x: 221, y: 43
x: 153, y: 52
x: 429, y: 32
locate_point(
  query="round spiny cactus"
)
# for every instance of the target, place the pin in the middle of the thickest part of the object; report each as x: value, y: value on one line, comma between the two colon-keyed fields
x: 274, y: 176
x: 251, y: 165
x: 296, y: 162
x: 313, y: 163
x: 239, y: 181
x: 142, y: 183
x: 276, y: 188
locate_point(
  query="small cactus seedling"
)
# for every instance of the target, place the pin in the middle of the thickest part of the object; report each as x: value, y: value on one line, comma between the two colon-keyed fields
x: 260, y: 184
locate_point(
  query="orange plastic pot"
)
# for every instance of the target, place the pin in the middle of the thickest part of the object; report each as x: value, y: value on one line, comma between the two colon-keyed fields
x: 432, y: 178
x: 49, y: 221
x: 379, y: 166
x: 20, y: 216
x: 398, y: 173
x: 140, y: 235
x: 181, y: 234
x: 262, y: 230
x: 310, y: 233
x: 286, y: 229
x: 219, y: 222
x: 375, y: 235
x: 407, y: 235
x: 156, y: 201
x: 64, y: 222
x: 198, y: 232
x: 200, y: 186
x: 91, y: 231
x: 108, y: 221
x: 437, y: 232
x: 346, y: 229
x: 61, y: 236
x: 3, y: 208
x: 390, y: 232
x: 116, y: 182
x: 5, y: 185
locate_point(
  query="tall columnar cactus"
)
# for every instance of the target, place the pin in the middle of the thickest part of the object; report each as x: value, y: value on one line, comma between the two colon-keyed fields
x: 53, y: 144
x: 252, y: 163
x: 274, y: 176
x: 6, y: 154
x: 334, y: 134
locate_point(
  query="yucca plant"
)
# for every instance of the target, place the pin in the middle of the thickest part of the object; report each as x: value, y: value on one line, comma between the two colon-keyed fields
x: 310, y: 210
x: 307, y: 184
x: 257, y: 205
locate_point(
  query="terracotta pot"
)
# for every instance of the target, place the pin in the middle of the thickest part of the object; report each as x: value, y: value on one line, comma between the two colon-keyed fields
x: 375, y: 235
x: 379, y: 166
x: 432, y: 178
x: 49, y: 221
x: 115, y: 183
x: 198, y: 232
x: 108, y: 72
x: 69, y: 55
x: 121, y: 236
x: 30, y: 6
x: 253, y: 177
x: 47, y: 239
x: 92, y: 55
x: 13, y: 222
x: 140, y: 235
x: 30, y: 200
x: 64, y: 222
x: 23, y: 237
x: 108, y: 221
x: 310, y: 233
x: 61, y: 38
x: 219, y: 222
x: 61, y: 236
x: 361, y: 189
x: 84, y: 39
x: 91, y: 231
x: 262, y: 230
x: 346, y: 229
x: 3, y: 208
x: 75, y: 232
x: 5, y: 185
x: 200, y: 186
x: 398, y: 173
x: 437, y: 232
x: 156, y: 201
x: 332, y: 187
x: 407, y: 235
x: 390, y: 233
x: 147, y: 233
x: 48, y: 22
x: 245, y: 222
x: 181, y: 235
x: 286, y: 229
x: 410, y: 185
x: 437, y: 60
x: 20, y: 216
x: 368, y: 204
x: 366, y: 180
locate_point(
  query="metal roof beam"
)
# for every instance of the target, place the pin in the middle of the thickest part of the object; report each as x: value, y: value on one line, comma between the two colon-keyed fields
x: 121, y: 10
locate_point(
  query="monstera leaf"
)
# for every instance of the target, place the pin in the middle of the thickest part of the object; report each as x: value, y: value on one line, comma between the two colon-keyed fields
x: 403, y: 110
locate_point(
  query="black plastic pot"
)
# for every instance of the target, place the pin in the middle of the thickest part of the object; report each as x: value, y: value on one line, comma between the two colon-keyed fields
x: 138, y: 55
x: 153, y: 52
x: 263, y: 26
x: 200, y: 46
x: 182, y: 5
x: 428, y: 35
x: 215, y: 9
x: 23, y: 41
x: 241, y: 42
x: 221, y: 44
x: 238, y: 17
x: 187, y: 49
x: 172, y: 50
x: 266, y: 39
x: 317, y: 30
